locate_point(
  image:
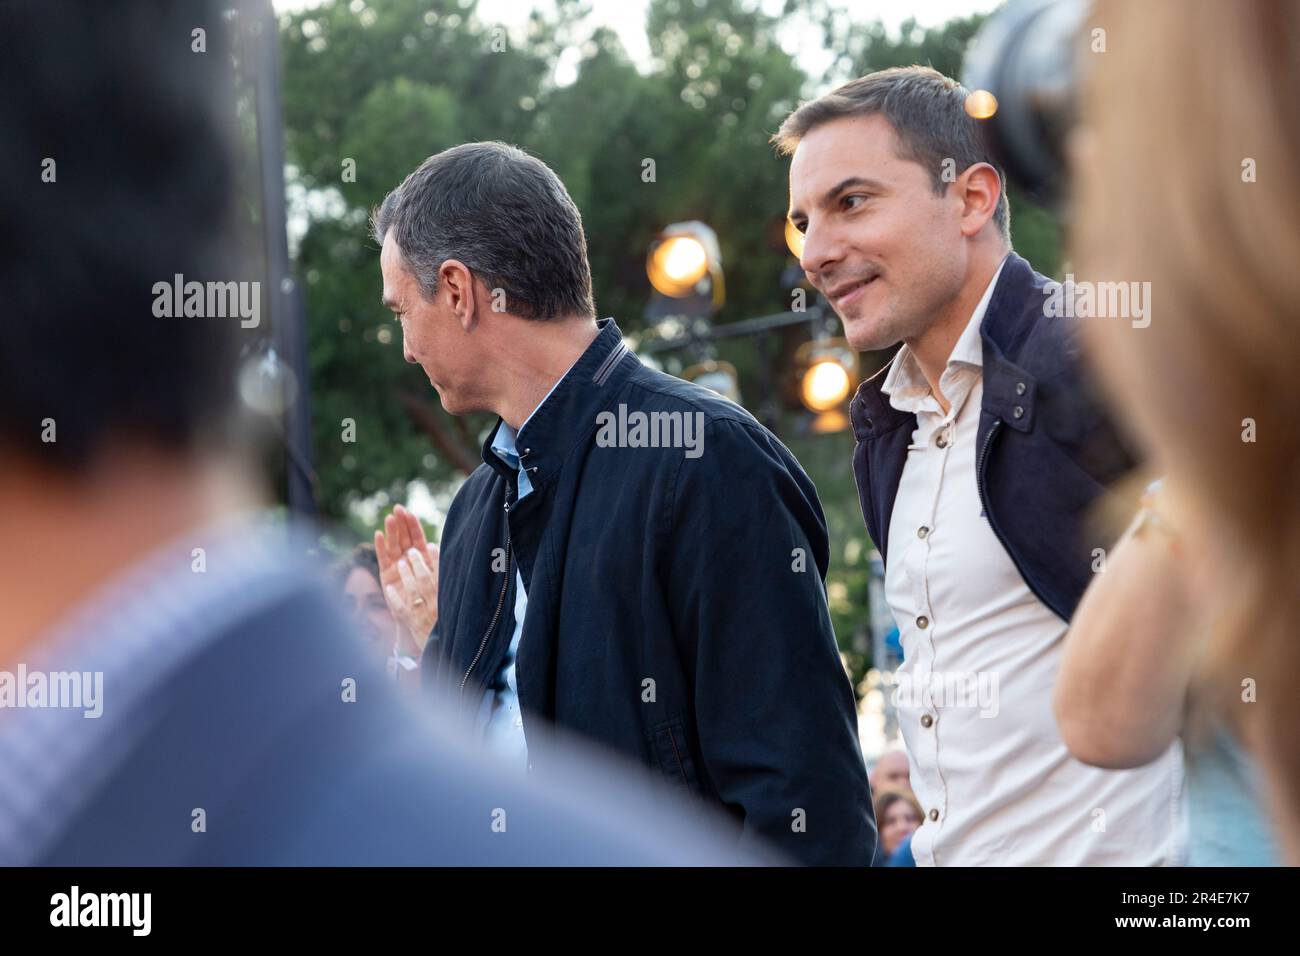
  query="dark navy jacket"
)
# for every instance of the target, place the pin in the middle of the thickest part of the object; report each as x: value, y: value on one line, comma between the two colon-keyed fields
x: 1047, y: 450
x: 676, y: 606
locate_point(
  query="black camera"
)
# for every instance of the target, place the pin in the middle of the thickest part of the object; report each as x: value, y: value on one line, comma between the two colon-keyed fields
x: 1028, y: 56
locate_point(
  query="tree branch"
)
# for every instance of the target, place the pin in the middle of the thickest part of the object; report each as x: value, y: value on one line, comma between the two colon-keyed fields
x: 427, y: 419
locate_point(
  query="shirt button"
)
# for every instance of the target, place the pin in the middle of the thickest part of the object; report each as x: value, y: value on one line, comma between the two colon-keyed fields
x: 1020, y: 388
x: 942, y: 440
x: 922, y: 532
x: 927, y: 720
x: 923, y: 622
x: 934, y: 814
x: 1018, y: 411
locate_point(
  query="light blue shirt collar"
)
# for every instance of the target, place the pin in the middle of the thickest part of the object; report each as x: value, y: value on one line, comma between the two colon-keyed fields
x: 504, y: 441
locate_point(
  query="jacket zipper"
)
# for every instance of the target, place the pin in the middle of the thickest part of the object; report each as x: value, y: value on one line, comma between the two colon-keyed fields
x: 988, y: 512
x: 501, y: 602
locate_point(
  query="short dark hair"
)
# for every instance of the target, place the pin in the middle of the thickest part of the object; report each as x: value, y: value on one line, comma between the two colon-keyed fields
x: 503, y: 213
x: 362, y: 556
x: 927, y: 111
x: 139, y: 129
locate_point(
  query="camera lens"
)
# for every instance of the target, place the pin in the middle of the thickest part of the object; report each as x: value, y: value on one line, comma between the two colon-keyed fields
x: 1027, y: 56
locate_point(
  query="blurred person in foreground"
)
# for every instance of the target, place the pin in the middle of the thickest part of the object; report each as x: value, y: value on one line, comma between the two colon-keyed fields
x: 1128, y: 689
x: 1187, y: 180
x: 177, y: 689
x: 979, y: 453
x: 637, y: 559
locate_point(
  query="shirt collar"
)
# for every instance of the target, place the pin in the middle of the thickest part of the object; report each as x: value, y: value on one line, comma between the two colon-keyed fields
x: 505, y: 446
x: 906, y: 385
x: 568, y: 412
x: 505, y: 442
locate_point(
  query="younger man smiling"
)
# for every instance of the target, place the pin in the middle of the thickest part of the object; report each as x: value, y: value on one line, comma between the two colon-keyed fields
x: 979, y: 454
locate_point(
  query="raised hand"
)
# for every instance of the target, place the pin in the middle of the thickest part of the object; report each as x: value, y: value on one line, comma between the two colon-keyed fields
x: 408, y: 574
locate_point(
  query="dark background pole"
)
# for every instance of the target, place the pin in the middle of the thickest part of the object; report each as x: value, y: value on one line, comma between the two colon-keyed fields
x: 288, y: 315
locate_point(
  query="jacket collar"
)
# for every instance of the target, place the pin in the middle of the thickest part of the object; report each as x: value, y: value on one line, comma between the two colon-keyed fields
x: 1008, y: 389
x: 568, y: 414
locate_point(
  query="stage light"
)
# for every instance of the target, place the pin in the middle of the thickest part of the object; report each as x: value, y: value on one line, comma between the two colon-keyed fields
x: 825, y: 385
x: 830, y: 372
x: 677, y: 264
x: 794, y: 240
x: 686, y: 261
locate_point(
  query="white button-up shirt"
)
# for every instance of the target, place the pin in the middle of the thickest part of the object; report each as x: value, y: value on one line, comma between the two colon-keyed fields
x: 981, y: 654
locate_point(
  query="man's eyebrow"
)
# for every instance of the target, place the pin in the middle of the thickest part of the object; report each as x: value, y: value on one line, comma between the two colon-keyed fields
x: 830, y: 195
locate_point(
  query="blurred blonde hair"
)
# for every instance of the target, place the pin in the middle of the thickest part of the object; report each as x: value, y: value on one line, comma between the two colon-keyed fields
x: 1188, y: 94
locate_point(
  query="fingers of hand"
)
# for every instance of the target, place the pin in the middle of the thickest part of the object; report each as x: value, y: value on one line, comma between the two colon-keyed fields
x: 395, y: 602
x: 403, y: 518
x: 391, y: 546
x: 409, y: 585
x: 421, y: 570
x: 416, y: 529
x: 424, y: 577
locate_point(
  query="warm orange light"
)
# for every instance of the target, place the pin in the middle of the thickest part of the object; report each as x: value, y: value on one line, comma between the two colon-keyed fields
x: 825, y: 385
x: 827, y: 423
x: 830, y: 371
x: 981, y: 104
x: 794, y: 240
x: 677, y: 264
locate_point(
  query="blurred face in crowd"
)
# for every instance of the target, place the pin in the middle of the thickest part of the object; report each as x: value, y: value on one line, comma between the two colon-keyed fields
x: 436, y: 333
x: 900, y: 821
x: 891, y: 772
x: 368, y: 606
x: 879, y: 243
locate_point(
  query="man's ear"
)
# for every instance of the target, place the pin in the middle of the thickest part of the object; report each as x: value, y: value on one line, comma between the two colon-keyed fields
x: 456, y: 282
x: 979, y: 188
